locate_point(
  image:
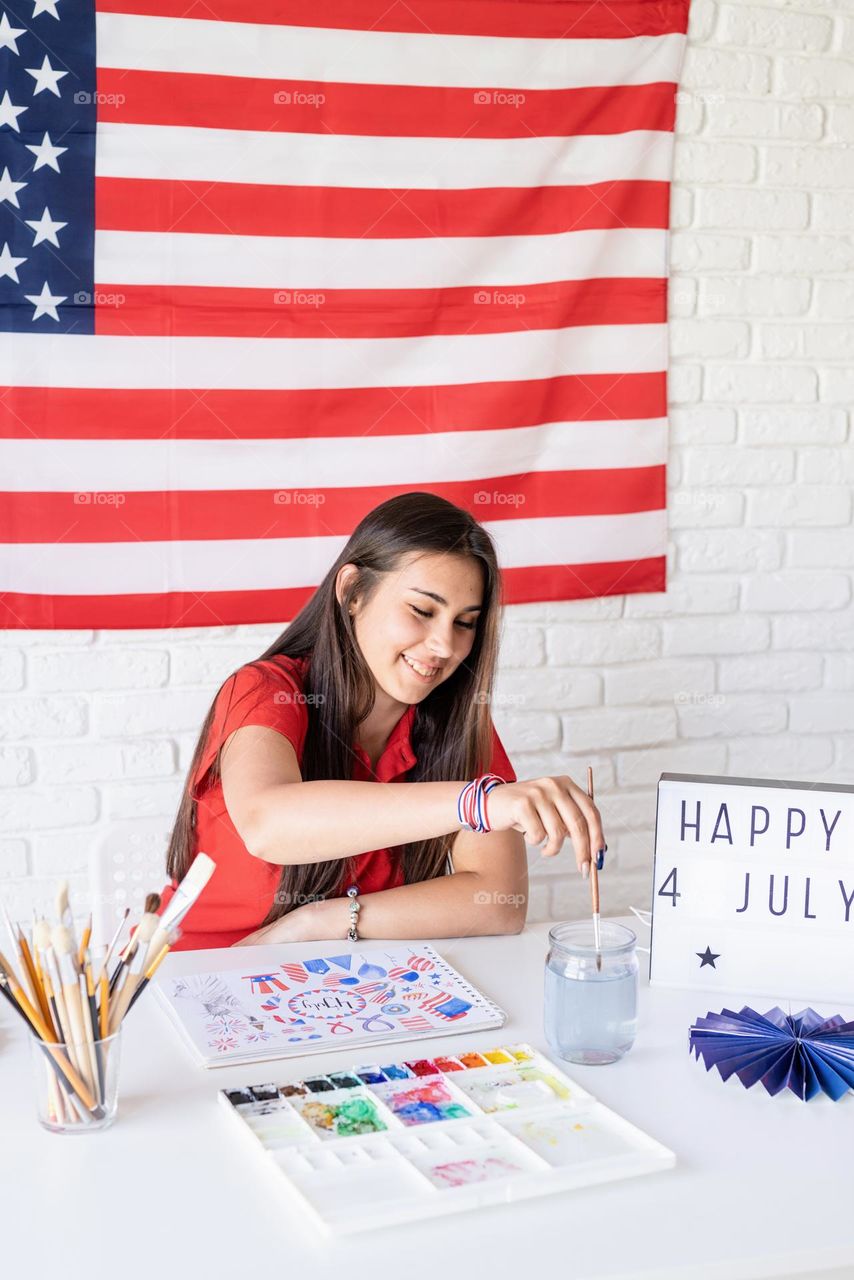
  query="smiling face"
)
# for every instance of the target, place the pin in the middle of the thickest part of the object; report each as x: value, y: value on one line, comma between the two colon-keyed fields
x: 419, y: 625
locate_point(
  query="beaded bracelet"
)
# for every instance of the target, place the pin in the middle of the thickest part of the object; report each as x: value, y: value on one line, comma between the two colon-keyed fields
x: 352, y: 935
x: 471, y: 803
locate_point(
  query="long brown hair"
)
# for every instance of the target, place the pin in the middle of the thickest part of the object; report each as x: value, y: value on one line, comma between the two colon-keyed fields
x: 451, y: 731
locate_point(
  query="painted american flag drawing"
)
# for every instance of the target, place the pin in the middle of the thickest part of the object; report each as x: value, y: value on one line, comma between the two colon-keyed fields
x: 264, y: 265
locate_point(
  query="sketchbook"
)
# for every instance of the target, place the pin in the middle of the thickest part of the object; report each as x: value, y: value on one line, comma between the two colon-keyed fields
x: 376, y: 1145
x: 331, y: 1002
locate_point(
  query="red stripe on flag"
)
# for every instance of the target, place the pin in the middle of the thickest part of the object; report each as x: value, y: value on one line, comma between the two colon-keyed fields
x: 65, y: 413
x: 225, y: 608
x: 196, y: 311
x: 217, y: 208
x: 378, y: 110
x: 574, y: 19
x: 180, y: 515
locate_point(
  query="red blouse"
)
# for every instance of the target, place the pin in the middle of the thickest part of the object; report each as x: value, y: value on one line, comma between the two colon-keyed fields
x: 241, y: 890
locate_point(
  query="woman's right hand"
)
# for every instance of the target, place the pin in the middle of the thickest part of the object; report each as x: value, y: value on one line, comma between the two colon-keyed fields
x: 547, y: 811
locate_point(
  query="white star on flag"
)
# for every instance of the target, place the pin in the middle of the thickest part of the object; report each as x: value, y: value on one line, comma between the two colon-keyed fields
x: 9, y: 265
x: 46, y: 6
x: 8, y: 188
x: 9, y: 34
x: 9, y: 112
x: 46, y: 77
x: 45, y: 302
x: 45, y: 153
x: 45, y: 228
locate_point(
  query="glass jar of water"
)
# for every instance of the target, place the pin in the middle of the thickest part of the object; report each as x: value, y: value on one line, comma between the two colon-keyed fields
x: 590, y: 1011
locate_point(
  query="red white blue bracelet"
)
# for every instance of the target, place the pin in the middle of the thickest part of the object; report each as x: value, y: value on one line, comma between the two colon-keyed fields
x: 471, y: 803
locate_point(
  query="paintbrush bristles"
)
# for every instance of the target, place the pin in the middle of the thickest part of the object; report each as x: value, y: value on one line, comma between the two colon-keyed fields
x: 61, y: 940
x: 41, y: 935
x: 152, y: 903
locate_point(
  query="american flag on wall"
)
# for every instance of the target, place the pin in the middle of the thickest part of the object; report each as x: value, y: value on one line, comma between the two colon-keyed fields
x: 263, y: 266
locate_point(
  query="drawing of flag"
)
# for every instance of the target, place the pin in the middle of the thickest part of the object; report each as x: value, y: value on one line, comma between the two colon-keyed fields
x: 296, y: 972
x: 263, y: 983
x: 434, y: 1001
x: 367, y: 988
x: 414, y: 1022
x: 422, y: 963
x: 266, y: 265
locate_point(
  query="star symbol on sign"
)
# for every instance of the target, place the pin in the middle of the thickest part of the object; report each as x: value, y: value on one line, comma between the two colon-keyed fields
x: 46, y: 6
x: 9, y: 34
x: 45, y: 153
x: 708, y: 957
x: 9, y: 112
x: 8, y: 189
x: 45, y: 228
x: 9, y: 265
x: 45, y: 77
x: 45, y: 303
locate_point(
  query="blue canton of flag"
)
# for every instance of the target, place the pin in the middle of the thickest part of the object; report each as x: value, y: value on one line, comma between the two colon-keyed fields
x: 48, y: 114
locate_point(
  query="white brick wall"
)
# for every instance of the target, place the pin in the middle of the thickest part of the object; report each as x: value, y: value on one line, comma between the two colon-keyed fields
x: 744, y: 666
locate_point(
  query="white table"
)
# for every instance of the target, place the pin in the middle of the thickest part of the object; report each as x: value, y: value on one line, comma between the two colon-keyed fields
x: 763, y: 1186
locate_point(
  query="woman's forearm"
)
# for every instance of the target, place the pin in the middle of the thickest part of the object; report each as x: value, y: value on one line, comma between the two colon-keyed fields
x: 317, y: 821
x: 460, y: 905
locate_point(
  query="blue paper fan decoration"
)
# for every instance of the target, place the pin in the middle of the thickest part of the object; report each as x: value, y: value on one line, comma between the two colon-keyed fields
x: 802, y: 1052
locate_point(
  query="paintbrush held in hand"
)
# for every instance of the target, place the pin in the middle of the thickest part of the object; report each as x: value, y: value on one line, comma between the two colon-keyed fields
x: 594, y: 887
x: 71, y: 1005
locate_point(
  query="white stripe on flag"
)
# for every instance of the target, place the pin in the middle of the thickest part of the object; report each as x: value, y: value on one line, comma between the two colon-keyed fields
x: 129, y: 466
x: 266, y: 50
x: 325, y: 159
x: 128, y: 568
x: 435, y: 262
x: 85, y: 360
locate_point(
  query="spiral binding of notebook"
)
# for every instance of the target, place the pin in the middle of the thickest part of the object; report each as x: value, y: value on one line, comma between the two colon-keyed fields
x: 312, y: 1005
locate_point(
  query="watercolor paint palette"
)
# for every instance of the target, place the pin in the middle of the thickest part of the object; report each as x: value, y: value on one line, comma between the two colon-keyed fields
x: 382, y: 1143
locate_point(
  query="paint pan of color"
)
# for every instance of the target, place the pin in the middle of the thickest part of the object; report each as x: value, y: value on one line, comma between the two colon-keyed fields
x: 345, y: 1079
x: 397, y: 1071
x: 343, y: 1114
x: 423, y: 1101
x: 465, y: 1154
x: 371, y: 1074
x: 520, y: 1087
x: 592, y: 1138
x: 422, y: 1067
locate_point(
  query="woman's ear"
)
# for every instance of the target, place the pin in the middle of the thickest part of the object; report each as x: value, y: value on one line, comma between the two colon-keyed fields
x: 342, y: 580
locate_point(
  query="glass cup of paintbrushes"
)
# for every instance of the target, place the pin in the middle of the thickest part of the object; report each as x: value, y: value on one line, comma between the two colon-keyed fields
x: 75, y: 1005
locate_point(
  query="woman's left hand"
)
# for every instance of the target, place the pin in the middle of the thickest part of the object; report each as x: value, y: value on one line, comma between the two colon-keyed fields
x: 303, y: 924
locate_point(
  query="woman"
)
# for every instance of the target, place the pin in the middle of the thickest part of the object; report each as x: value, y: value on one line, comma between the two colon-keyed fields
x: 385, y: 675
